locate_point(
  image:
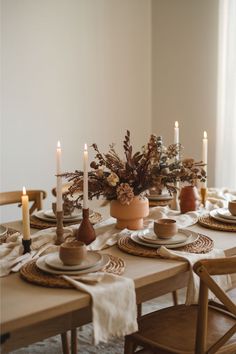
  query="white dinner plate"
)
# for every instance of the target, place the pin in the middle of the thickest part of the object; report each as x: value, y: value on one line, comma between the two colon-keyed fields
x: 3, y: 230
x: 226, y: 214
x: 41, y: 264
x: 151, y: 237
x: 214, y: 214
x: 40, y: 215
x: 75, y: 214
x: 92, y: 259
x: 191, y: 237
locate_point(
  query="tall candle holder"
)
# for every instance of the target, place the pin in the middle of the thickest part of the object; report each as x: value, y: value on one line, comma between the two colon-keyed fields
x: 26, y: 245
x: 86, y: 232
x: 203, y: 193
x: 174, y: 205
x: 59, y: 229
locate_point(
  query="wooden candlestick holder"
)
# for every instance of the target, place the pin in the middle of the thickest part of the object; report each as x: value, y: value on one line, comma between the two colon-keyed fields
x: 85, y: 232
x: 59, y: 229
x: 203, y: 192
x: 26, y: 245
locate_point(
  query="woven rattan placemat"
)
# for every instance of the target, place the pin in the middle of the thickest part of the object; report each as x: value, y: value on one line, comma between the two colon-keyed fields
x: 31, y: 273
x: 203, y: 244
x: 211, y: 223
x: 37, y: 223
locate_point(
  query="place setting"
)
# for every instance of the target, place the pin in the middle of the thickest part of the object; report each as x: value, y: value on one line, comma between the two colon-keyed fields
x: 164, y: 233
x: 43, y: 219
x: 72, y: 259
x: 223, y: 219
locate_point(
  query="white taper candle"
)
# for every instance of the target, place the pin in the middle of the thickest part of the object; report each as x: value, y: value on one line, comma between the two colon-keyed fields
x: 25, y: 215
x: 85, y: 184
x: 59, y: 178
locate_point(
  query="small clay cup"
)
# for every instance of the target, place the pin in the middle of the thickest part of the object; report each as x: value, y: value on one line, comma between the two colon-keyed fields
x: 72, y: 253
x: 232, y: 207
x: 165, y: 228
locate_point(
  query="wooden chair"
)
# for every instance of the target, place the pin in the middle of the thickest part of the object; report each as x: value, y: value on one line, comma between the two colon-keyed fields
x: 206, y: 328
x: 35, y: 196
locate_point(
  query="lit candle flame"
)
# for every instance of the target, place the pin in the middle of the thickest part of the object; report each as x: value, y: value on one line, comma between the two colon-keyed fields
x: 24, y: 191
x: 205, y: 135
x: 85, y: 147
x: 176, y: 124
x: 58, y: 144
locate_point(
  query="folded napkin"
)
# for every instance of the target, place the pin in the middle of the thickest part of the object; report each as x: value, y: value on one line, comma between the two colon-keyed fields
x: 224, y: 281
x: 219, y: 198
x: 12, y: 249
x: 113, y: 305
x: 182, y: 220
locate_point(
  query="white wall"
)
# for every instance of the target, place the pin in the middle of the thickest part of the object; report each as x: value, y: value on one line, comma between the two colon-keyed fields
x: 184, y: 73
x: 81, y: 71
x: 74, y: 70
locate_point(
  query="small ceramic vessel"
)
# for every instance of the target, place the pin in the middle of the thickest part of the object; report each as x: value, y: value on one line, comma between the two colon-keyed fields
x: 72, y: 253
x: 165, y: 228
x: 232, y: 207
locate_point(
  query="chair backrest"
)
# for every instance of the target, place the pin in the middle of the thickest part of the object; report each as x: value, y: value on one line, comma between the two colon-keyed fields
x: 36, y: 196
x: 205, y: 270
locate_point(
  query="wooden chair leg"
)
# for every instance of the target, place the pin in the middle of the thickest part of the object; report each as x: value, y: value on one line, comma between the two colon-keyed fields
x: 129, y: 346
x: 175, y: 297
x: 74, y: 341
x: 139, y: 310
x: 65, y: 343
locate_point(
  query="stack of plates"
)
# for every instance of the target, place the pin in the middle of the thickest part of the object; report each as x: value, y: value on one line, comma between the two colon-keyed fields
x: 51, y: 263
x: 159, y: 197
x: 49, y: 216
x: 182, y: 238
x: 223, y: 215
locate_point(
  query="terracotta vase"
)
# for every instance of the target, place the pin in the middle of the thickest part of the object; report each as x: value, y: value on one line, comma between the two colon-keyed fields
x: 188, y: 199
x: 130, y: 216
x: 85, y: 232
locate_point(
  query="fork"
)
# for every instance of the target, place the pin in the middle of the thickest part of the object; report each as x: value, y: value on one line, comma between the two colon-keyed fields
x: 33, y: 255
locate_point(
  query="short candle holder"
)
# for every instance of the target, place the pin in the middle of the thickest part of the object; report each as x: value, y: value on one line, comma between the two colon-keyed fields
x: 86, y: 232
x: 26, y: 246
x: 59, y: 229
x: 203, y: 193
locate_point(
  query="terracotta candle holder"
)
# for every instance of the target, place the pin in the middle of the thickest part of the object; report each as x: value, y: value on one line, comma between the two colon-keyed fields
x: 85, y: 232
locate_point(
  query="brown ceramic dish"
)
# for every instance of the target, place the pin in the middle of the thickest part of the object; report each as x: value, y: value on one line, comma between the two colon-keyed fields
x: 232, y: 207
x: 165, y: 228
x: 72, y: 253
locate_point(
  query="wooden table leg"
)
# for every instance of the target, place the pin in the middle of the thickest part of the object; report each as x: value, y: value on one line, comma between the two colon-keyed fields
x: 65, y: 343
x: 74, y: 341
x: 175, y: 297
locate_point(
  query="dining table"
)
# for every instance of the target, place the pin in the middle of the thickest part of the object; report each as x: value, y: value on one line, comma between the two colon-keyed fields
x: 30, y: 313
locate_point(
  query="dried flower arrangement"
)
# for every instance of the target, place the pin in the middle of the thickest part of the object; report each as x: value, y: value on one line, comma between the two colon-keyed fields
x: 156, y: 166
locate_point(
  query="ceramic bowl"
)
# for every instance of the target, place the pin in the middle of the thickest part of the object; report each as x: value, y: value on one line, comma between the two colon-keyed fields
x: 72, y: 253
x: 232, y: 207
x: 165, y: 228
